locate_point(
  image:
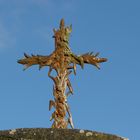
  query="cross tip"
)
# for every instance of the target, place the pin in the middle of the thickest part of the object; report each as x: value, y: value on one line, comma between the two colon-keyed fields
x: 62, y: 23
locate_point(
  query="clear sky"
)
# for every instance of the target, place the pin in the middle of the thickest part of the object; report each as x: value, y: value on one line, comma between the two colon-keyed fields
x: 106, y: 100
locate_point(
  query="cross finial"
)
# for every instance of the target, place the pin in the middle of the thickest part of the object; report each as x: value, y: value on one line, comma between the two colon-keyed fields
x: 62, y: 24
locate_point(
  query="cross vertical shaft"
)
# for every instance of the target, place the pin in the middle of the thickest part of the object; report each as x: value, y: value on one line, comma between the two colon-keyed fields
x: 61, y: 82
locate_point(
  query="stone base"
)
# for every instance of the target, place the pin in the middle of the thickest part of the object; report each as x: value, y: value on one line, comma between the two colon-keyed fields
x: 55, y: 134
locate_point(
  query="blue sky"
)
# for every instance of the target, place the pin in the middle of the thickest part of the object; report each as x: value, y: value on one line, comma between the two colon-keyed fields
x: 106, y: 100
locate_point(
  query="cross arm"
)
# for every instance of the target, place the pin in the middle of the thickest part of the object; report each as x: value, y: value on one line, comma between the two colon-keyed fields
x: 40, y: 60
x: 90, y: 58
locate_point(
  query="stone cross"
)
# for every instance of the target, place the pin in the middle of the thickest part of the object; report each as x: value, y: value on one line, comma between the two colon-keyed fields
x: 63, y: 61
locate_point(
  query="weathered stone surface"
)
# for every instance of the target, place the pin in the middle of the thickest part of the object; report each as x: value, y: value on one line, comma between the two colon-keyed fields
x: 55, y: 134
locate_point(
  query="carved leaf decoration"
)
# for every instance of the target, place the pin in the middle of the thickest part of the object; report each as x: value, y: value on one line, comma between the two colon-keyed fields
x: 34, y: 60
x: 92, y: 59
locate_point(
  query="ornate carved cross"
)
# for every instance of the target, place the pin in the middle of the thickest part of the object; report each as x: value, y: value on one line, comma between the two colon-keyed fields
x: 63, y: 61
